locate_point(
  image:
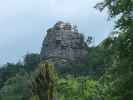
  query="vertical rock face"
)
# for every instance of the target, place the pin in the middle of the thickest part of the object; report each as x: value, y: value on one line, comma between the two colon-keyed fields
x: 64, y: 43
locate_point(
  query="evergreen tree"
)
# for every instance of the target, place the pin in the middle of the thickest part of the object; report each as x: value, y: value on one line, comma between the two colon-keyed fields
x: 43, y: 83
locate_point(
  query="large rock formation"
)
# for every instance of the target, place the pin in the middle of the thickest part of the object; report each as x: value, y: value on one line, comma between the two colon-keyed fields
x: 63, y: 43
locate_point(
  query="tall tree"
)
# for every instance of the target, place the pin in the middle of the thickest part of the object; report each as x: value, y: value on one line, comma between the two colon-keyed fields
x: 120, y: 75
x: 43, y: 84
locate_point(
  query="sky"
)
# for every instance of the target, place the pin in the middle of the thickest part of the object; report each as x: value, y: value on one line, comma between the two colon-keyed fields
x: 23, y: 23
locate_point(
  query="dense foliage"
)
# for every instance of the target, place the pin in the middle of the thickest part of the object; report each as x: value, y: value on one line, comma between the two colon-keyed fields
x: 43, y: 82
x: 9, y: 70
x: 119, y: 77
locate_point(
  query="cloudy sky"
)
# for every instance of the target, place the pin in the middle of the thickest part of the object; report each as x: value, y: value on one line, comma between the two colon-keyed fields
x: 23, y: 23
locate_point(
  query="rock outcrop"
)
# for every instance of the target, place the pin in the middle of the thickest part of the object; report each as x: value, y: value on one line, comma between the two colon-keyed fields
x: 63, y: 43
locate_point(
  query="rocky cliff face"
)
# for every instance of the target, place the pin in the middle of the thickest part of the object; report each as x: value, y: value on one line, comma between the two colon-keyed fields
x: 63, y: 43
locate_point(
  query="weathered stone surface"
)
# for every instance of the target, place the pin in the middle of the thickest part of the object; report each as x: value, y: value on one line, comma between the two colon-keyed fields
x: 62, y: 42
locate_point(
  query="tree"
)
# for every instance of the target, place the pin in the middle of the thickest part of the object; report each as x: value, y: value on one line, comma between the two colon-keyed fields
x: 9, y: 70
x: 121, y: 8
x: 120, y: 74
x: 79, y: 88
x: 31, y: 61
x: 43, y: 83
x: 15, y: 88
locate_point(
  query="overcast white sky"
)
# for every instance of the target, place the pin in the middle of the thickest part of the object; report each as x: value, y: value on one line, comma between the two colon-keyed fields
x: 23, y: 23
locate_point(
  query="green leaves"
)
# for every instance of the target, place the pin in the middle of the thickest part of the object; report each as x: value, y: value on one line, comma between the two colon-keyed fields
x: 118, y: 76
x: 76, y: 89
x: 16, y: 88
x: 43, y: 82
